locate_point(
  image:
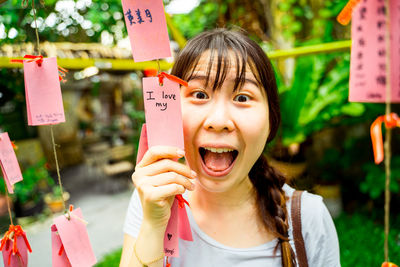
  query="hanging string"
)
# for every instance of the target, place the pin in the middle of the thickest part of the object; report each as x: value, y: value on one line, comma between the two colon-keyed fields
x: 36, y: 27
x: 388, y: 134
x: 159, y: 67
x: 8, y: 204
x: 57, y: 167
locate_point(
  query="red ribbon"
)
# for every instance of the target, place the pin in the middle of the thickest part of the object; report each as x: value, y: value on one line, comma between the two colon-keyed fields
x: 13, y: 145
x: 173, y: 78
x: 11, y: 235
x: 29, y: 58
x: 391, y: 121
x: 181, y: 201
x: 39, y: 60
x: 344, y: 16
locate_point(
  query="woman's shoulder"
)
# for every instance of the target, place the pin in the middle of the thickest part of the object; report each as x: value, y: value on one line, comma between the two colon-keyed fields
x: 314, y: 213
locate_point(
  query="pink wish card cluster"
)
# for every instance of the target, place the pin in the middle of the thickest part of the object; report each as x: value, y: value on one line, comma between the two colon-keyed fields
x: 368, y: 67
x: 43, y: 92
x: 9, y: 163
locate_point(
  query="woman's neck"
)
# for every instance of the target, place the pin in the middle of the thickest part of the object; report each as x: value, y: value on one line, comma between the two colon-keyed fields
x: 239, y: 197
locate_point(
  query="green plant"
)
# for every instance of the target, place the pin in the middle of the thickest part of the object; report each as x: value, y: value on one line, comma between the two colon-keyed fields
x: 361, y: 240
x: 111, y: 259
x: 36, y: 182
x: 317, y: 97
x: 374, y: 182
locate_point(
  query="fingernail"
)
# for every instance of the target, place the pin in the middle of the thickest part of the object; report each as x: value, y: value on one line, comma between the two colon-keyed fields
x: 192, y: 186
x: 180, y: 152
x: 194, y: 174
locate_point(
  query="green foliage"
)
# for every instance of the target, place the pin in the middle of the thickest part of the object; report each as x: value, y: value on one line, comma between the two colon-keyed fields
x: 316, y: 97
x: 111, y: 259
x: 36, y: 181
x: 305, y: 20
x: 201, y: 18
x: 374, y: 181
x: 361, y: 240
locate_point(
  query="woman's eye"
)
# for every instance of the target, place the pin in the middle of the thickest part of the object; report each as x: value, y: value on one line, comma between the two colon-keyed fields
x: 200, y: 95
x: 242, y: 98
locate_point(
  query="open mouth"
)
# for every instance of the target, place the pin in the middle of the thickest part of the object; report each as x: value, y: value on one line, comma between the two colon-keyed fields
x: 218, y: 161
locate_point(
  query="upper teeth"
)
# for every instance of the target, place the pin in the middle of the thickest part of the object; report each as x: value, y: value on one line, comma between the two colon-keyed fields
x: 218, y: 150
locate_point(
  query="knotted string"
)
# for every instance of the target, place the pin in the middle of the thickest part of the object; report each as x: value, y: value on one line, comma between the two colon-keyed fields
x: 173, y: 78
x: 39, y: 60
x: 390, y: 121
x: 344, y: 16
x: 181, y: 201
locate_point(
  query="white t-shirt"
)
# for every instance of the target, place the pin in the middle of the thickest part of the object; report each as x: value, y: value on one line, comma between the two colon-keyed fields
x: 318, y: 231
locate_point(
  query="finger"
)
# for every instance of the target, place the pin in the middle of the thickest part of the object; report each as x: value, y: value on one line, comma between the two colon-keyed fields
x: 170, y: 178
x: 156, y: 153
x: 165, y: 191
x: 167, y: 165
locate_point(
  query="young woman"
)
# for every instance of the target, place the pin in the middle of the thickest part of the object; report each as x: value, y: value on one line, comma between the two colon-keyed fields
x: 238, y: 203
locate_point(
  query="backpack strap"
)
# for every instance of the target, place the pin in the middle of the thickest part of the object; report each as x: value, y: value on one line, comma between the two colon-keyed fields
x: 296, y: 224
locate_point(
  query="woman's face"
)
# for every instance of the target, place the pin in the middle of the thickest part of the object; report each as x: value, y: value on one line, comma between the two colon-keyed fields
x: 225, y: 130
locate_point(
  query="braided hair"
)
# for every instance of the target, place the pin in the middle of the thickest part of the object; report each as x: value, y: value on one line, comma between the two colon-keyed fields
x: 271, y: 200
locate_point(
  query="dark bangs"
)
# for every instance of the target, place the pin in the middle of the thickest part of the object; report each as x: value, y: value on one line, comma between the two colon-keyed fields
x: 220, y: 43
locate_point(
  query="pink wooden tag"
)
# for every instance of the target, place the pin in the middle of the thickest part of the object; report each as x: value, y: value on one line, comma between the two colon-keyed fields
x: 147, y: 29
x: 16, y: 260
x: 75, y: 238
x: 9, y: 163
x: 171, y: 244
x: 43, y: 93
x: 368, y: 54
x: 57, y: 259
x: 183, y: 224
x: 143, y: 145
x: 163, y: 112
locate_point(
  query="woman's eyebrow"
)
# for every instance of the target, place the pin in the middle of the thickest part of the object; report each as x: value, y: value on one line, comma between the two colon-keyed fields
x: 204, y: 77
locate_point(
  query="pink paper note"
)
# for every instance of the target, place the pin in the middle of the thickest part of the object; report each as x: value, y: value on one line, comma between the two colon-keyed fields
x: 143, y: 145
x: 163, y: 112
x: 9, y: 163
x: 16, y: 260
x: 178, y: 226
x: 183, y: 225
x: 171, y: 244
x: 58, y: 260
x: 368, y: 54
x: 75, y: 239
x: 43, y: 93
x: 147, y: 29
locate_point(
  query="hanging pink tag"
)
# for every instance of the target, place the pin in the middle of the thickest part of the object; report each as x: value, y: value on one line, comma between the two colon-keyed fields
x: 59, y: 257
x: 147, y: 29
x: 9, y: 163
x: 143, y: 145
x: 162, y: 106
x: 43, y: 92
x: 20, y: 259
x: 74, y: 237
x: 368, y: 53
x: 164, y: 127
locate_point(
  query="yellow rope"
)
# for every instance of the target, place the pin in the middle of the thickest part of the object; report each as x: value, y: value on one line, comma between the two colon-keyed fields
x: 8, y: 204
x: 388, y: 135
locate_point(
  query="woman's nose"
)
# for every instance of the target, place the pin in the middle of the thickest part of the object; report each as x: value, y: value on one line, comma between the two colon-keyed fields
x: 219, y: 117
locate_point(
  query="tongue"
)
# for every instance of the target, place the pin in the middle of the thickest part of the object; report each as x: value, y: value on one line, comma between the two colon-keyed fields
x: 218, y: 161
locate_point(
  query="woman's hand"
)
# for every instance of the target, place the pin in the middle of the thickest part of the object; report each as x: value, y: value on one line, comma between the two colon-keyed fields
x: 158, y: 178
